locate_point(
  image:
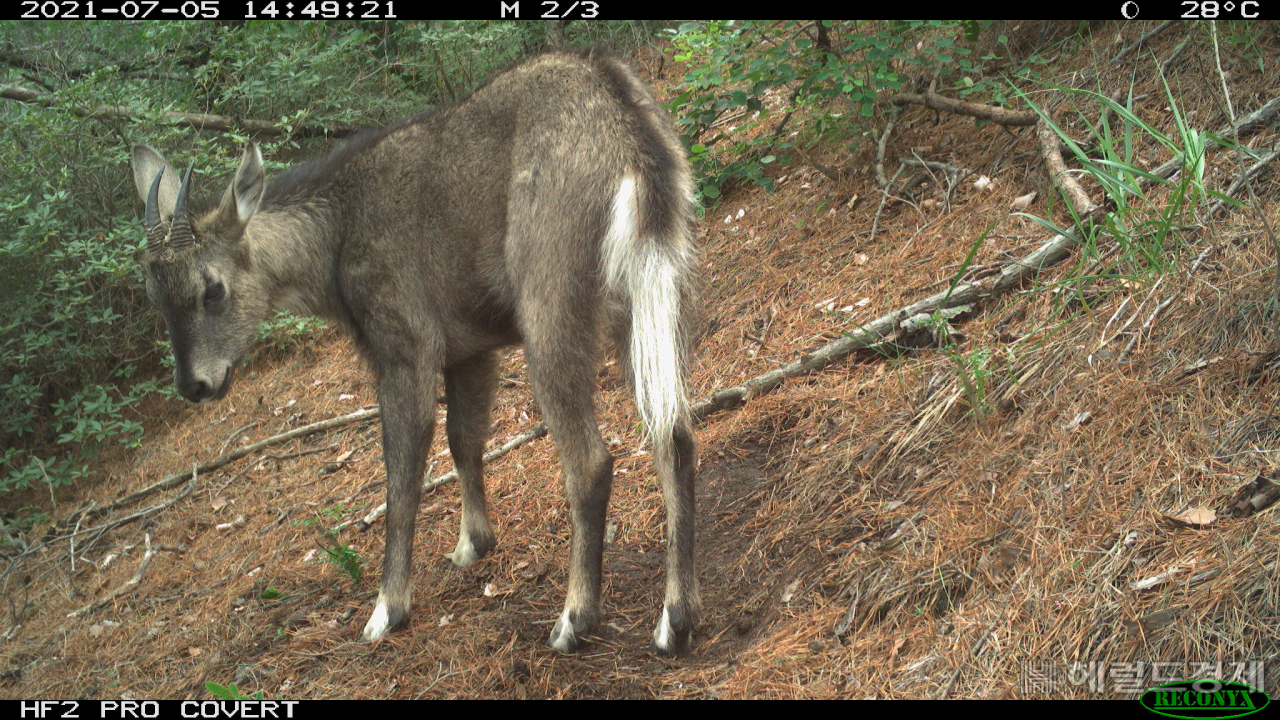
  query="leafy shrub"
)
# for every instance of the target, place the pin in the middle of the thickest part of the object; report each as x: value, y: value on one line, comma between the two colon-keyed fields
x: 285, y: 329
x: 740, y: 69
x: 343, y: 556
x: 230, y: 692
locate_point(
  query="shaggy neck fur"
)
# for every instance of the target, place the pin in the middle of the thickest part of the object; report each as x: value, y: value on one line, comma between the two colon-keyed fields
x: 294, y: 255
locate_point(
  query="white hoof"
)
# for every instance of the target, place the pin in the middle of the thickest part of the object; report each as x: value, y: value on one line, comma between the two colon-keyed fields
x: 563, y: 639
x: 378, y: 624
x: 464, y: 555
x: 664, y: 635
x: 673, y: 636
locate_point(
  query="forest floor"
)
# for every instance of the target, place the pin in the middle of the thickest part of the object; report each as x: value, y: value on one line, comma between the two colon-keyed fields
x: 1021, y: 511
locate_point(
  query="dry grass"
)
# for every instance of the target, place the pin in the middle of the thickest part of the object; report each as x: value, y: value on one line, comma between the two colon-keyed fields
x: 864, y: 532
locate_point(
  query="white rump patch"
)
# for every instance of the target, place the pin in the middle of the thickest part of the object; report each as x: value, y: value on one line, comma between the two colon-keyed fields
x: 620, y: 240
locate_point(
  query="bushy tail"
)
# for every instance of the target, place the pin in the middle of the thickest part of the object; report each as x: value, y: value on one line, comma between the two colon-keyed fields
x: 650, y: 273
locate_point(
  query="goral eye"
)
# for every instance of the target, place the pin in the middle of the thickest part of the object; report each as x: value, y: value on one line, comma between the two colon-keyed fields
x: 213, y: 293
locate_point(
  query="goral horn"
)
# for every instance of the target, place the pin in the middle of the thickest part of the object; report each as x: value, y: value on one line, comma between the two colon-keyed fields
x: 151, y: 217
x: 182, y: 235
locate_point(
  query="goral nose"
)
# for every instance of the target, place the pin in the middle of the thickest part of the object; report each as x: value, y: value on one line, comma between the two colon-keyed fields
x: 197, y: 388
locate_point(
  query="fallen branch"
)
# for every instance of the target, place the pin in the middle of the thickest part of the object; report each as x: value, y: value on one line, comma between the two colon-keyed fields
x: 1253, y: 121
x: 199, y: 121
x: 180, y: 477
x: 884, y: 328
x: 994, y: 113
x: 1051, y: 150
x: 101, y: 530
x: 1173, y: 57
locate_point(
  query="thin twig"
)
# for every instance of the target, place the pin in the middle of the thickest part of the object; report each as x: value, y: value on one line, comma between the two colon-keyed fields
x: 1145, y: 326
x: 233, y: 435
x: 1130, y: 48
x: 178, y: 478
x: 880, y: 151
x: 884, y: 199
x: 1173, y: 56
x: 101, y: 530
x: 130, y: 585
x: 538, y: 431
x: 301, y: 453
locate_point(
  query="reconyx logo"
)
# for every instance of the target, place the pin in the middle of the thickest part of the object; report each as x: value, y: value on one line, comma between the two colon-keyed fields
x: 1204, y: 699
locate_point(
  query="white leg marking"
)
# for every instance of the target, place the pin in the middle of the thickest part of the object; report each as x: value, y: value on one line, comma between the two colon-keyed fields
x: 379, y: 623
x: 464, y: 554
x: 563, y: 638
x: 663, y: 634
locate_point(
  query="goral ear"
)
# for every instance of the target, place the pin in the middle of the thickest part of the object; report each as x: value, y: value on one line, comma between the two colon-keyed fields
x: 244, y: 195
x: 146, y: 164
